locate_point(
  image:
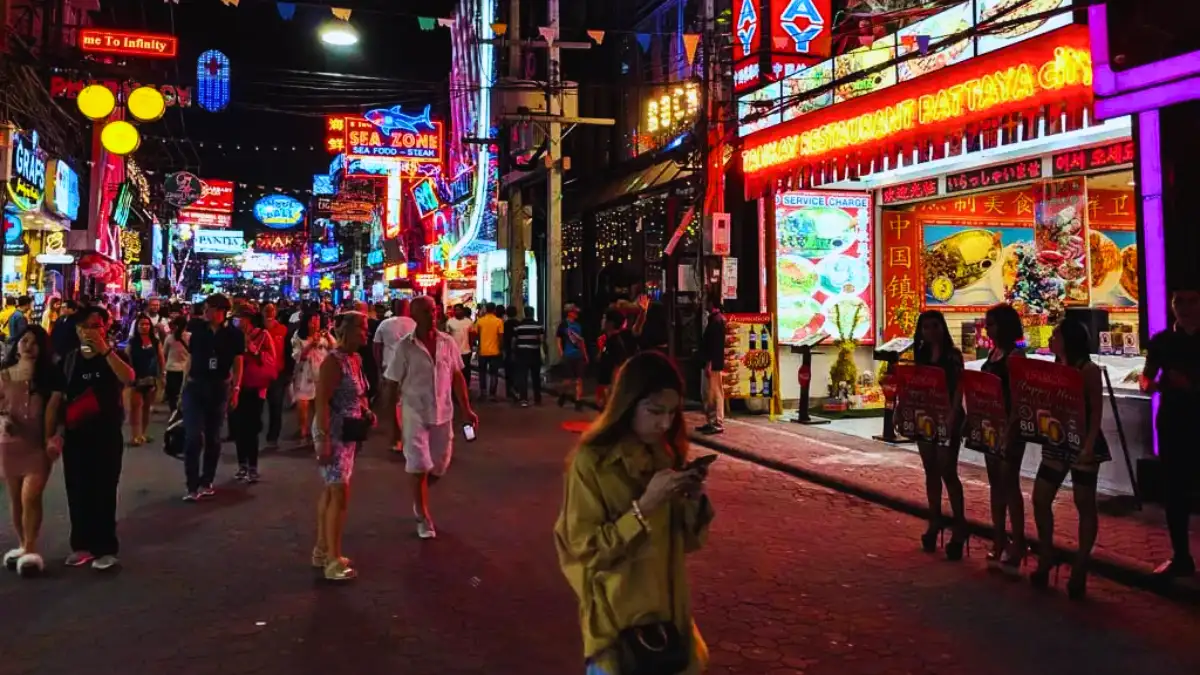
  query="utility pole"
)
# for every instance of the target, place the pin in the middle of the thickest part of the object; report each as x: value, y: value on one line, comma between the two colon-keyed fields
x: 516, y: 205
x: 554, y: 300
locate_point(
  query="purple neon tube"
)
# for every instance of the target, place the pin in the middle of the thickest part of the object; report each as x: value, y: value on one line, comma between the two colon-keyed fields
x: 1154, y: 257
x: 1106, y: 82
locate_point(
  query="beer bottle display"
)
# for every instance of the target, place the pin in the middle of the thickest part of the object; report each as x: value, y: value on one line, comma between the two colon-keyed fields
x: 753, y: 388
x: 767, y: 384
x: 753, y: 338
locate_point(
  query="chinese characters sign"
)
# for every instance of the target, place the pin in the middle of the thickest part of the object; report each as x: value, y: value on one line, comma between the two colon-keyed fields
x: 358, y: 138
x: 149, y: 45
x: 823, y: 273
x: 1087, y: 159
x: 994, y: 176
x: 918, y: 189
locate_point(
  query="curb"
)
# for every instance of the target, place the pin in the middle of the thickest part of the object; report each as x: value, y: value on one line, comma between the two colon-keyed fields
x: 1107, y: 566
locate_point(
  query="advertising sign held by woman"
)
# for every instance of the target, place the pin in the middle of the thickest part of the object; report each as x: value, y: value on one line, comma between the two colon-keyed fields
x: 983, y: 394
x: 923, y: 410
x: 1048, y: 403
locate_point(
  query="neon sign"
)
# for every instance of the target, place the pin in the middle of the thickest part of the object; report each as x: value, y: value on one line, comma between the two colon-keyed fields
x: 425, y: 197
x: 993, y: 92
x: 126, y: 43
x: 674, y: 109
x: 27, y: 186
x: 805, y: 23
x: 747, y: 28
x: 357, y: 137
x: 62, y: 187
x: 212, y: 77
x: 122, y: 205
x: 274, y: 242
x: 279, y: 211
x: 175, y: 95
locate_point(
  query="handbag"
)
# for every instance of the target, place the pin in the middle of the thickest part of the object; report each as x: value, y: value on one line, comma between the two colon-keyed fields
x: 657, y: 648
x: 82, y: 408
x: 355, y: 429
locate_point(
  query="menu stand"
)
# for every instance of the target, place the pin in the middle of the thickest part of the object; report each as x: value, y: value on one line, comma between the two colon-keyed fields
x: 890, y: 353
x: 804, y: 375
x: 1112, y: 399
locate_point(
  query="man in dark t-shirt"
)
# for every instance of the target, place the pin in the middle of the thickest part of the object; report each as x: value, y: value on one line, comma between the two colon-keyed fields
x: 213, y: 383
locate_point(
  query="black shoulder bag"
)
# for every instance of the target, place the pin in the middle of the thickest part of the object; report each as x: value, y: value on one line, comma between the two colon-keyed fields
x: 657, y: 648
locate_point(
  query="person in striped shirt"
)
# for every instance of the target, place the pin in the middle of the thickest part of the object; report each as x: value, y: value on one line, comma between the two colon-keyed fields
x: 529, y: 345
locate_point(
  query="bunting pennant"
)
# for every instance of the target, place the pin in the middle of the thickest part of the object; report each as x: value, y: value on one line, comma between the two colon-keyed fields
x: 597, y: 36
x: 425, y: 22
x: 690, y: 42
x: 644, y: 40
x: 446, y: 22
x: 923, y: 44
x: 500, y: 28
x: 908, y: 40
x: 341, y: 13
x: 548, y: 33
x: 287, y: 10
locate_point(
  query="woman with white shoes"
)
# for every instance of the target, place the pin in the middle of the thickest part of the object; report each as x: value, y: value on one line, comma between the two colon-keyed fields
x: 25, y: 459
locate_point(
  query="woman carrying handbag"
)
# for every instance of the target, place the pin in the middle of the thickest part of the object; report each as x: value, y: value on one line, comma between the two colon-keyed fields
x: 633, y: 508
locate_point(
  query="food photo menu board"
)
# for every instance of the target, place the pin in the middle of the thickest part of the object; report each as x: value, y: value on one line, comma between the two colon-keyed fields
x: 825, y: 282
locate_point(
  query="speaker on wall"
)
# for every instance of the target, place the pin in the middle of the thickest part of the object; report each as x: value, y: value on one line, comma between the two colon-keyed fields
x: 1096, y: 321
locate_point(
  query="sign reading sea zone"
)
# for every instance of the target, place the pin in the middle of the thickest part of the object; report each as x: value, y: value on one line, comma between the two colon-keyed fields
x: 149, y: 45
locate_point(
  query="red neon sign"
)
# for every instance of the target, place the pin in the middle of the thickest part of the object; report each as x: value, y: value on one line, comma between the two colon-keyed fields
x: 359, y: 138
x: 1053, y: 70
x: 274, y: 242
x: 149, y: 45
x: 801, y: 33
x: 1102, y: 157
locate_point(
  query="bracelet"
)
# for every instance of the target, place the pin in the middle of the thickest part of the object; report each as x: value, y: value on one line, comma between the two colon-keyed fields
x: 637, y: 513
x: 106, y: 354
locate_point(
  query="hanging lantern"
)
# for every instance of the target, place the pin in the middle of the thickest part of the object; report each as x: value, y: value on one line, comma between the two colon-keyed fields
x: 96, y: 101
x: 120, y: 137
x: 146, y: 104
x: 212, y: 80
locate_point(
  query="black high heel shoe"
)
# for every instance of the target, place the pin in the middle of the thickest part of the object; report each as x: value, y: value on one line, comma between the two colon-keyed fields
x: 1077, y: 585
x: 929, y: 540
x: 1040, y: 578
x: 954, y: 547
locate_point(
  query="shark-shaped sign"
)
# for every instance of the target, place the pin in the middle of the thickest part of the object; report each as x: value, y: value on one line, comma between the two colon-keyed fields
x: 394, y: 119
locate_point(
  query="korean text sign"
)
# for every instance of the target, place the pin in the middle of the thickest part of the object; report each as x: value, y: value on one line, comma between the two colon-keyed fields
x: 983, y: 395
x: 1047, y: 402
x: 923, y: 409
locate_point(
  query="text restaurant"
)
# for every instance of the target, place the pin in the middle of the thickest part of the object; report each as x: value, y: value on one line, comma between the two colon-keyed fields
x: 963, y: 168
x: 40, y: 202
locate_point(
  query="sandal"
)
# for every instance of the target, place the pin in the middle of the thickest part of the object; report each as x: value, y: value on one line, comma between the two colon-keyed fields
x: 11, y: 558
x: 320, y: 559
x: 339, y: 570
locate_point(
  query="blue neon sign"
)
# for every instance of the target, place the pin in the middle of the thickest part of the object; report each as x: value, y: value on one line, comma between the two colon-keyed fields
x: 279, y: 211
x: 212, y: 80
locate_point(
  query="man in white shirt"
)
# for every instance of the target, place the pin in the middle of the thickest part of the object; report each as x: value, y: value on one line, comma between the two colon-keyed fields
x: 426, y: 368
x: 461, y: 327
x: 389, y: 333
x: 158, y: 322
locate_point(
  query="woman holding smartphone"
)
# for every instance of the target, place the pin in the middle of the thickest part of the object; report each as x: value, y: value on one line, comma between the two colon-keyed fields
x: 933, y: 346
x: 633, y: 508
x: 1070, y: 344
x: 1004, y: 328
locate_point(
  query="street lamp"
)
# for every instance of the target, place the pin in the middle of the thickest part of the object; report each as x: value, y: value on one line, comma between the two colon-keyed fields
x: 338, y: 34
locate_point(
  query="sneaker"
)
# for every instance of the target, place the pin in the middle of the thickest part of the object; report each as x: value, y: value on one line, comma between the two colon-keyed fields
x: 79, y: 559
x: 1175, y: 567
x: 252, y: 476
x: 715, y: 429
x: 207, y: 491
x: 241, y: 473
x: 704, y: 429
x: 524, y: 404
x: 192, y: 496
x: 105, y: 562
x: 424, y: 526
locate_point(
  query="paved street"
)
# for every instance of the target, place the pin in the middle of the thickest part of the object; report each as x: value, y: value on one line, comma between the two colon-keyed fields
x: 797, y: 579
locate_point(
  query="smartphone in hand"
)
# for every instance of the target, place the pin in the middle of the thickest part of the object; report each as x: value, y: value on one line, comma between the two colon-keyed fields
x: 701, y: 463
x: 469, y: 432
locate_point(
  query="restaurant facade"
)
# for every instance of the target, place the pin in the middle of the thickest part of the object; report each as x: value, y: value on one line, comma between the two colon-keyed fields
x: 948, y: 166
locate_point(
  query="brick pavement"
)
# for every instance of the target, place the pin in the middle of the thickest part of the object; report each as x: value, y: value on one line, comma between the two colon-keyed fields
x: 797, y: 579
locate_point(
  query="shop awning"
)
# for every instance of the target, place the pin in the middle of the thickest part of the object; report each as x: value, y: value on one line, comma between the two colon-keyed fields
x: 653, y: 177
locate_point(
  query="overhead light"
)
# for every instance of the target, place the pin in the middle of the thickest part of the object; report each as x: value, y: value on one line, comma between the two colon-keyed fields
x: 1131, y: 183
x: 338, y: 34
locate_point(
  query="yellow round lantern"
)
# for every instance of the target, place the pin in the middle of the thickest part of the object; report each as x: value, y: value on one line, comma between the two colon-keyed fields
x: 146, y: 104
x: 95, y: 101
x: 120, y: 137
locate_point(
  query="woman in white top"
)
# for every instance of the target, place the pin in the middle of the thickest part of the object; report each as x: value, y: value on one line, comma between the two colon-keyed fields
x: 177, y: 361
x: 310, y: 345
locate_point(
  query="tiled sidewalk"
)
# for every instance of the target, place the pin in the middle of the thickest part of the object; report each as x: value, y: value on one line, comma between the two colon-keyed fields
x: 1129, y: 545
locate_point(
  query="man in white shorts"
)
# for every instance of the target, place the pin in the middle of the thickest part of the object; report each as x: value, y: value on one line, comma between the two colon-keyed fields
x: 426, y: 367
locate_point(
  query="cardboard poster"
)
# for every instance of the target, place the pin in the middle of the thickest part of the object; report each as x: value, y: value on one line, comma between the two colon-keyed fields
x: 1047, y: 399
x: 923, y: 408
x: 983, y: 396
x: 749, y: 356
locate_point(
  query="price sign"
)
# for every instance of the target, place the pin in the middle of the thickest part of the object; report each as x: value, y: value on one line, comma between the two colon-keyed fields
x: 1047, y: 399
x: 983, y: 394
x: 923, y: 408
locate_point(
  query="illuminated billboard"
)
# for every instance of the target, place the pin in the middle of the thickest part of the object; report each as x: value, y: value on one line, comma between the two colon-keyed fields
x: 392, y: 135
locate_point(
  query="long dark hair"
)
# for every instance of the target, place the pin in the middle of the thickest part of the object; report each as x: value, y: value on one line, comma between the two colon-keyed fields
x: 644, y: 375
x: 43, y: 366
x: 178, y: 324
x: 1009, y: 330
x: 922, y: 350
x: 153, y: 334
x: 305, y: 319
x: 1076, y: 340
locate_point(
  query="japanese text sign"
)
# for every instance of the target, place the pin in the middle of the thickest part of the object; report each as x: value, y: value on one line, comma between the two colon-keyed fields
x: 994, y: 176
x: 126, y: 43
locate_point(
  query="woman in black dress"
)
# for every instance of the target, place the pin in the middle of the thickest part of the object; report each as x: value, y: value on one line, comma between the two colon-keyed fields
x: 1004, y: 328
x: 933, y: 346
x: 1070, y: 344
x: 146, y: 356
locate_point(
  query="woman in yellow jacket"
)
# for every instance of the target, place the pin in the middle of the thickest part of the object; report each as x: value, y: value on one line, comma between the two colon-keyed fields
x: 632, y: 509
